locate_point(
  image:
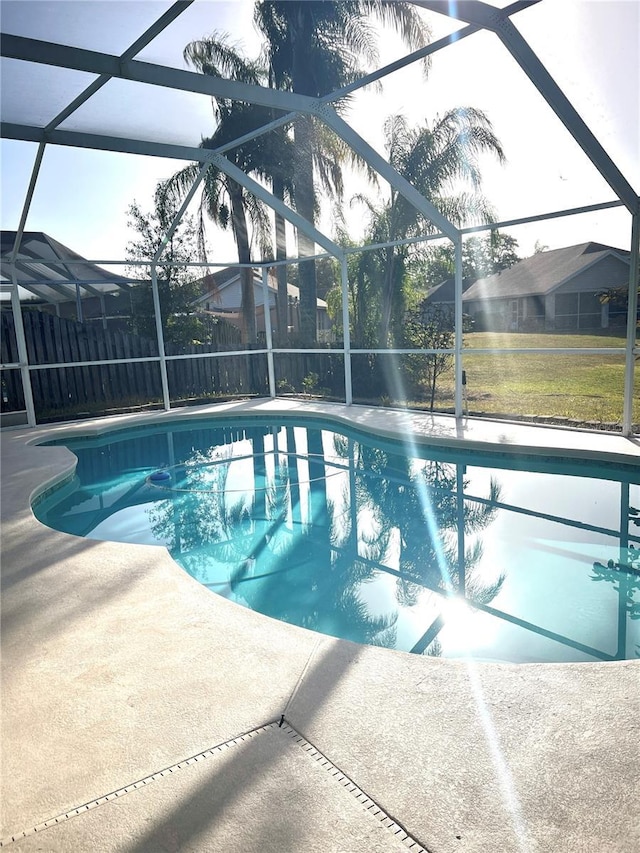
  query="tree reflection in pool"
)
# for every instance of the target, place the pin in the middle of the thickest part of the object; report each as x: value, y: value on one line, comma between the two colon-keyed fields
x: 444, y: 552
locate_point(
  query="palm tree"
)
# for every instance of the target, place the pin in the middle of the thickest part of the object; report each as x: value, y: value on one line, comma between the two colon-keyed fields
x: 436, y: 161
x: 258, y: 548
x: 225, y: 201
x: 395, y: 491
x: 325, y: 577
x: 315, y: 47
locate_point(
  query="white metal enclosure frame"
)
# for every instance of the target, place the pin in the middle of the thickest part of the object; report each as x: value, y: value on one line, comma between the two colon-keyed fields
x: 477, y: 16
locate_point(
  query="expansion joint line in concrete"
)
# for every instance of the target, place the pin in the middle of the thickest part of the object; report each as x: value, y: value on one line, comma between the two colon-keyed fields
x: 369, y: 805
x: 316, y: 645
x: 134, y: 786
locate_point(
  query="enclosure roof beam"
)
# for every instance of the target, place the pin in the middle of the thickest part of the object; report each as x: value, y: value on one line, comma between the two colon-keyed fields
x: 398, y: 64
x: 36, y: 292
x: 28, y: 198
x: 100, y: 142
x: 495, y: 20
x: 92, y: 290
x: 566, y: 112
x: 86, y: 283
x: 34, y: 276
x: 473, y: 11
x: 268, y: 198
x: 154, y: 30
x: 94, y: 62
x: 34, y: 50
x: 26, y: 261
x: 202, y: 155
x: 176, y: 152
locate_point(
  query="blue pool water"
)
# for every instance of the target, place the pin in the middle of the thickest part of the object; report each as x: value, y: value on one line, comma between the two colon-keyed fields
x: 440, y: 552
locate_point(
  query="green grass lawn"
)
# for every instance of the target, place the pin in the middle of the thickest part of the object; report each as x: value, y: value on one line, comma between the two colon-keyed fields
x: 586, y: 388
x: 515, y: 340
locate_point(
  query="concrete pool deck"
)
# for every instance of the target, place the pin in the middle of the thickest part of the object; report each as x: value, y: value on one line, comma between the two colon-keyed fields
x: 140, y: 712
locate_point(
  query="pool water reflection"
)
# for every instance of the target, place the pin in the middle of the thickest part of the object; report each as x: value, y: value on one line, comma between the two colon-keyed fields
x: 441, y: 552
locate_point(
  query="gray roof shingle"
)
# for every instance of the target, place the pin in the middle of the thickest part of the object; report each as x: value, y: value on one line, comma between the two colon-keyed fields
x: 541, y: 273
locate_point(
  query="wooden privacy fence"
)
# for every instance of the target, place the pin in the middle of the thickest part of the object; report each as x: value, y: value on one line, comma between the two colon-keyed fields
x: 321, y: 373
x: 52, y: 339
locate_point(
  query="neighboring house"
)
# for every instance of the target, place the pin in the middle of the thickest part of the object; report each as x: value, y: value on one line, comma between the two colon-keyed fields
x: 443, y: 294
x: 222, y: 296
x: 556, y: 290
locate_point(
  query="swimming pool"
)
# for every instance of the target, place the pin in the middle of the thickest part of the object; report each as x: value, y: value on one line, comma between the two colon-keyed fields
x: 429, y: 550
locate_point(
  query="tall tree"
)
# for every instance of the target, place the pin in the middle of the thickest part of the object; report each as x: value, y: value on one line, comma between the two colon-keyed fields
x: 437, y: 161
x: 315, y: 47
x: 225, y: 201
x: 481, y: 257
x: 175, y: 282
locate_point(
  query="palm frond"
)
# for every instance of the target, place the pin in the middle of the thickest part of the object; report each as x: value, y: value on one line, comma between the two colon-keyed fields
x: 217, y: 56
x: 484, y: 593
x: 466, y: 209
x: 177, y: 186
x: 404, y: 18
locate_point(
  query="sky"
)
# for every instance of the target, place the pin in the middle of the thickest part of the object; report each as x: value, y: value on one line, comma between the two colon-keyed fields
x: 81, y: 197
